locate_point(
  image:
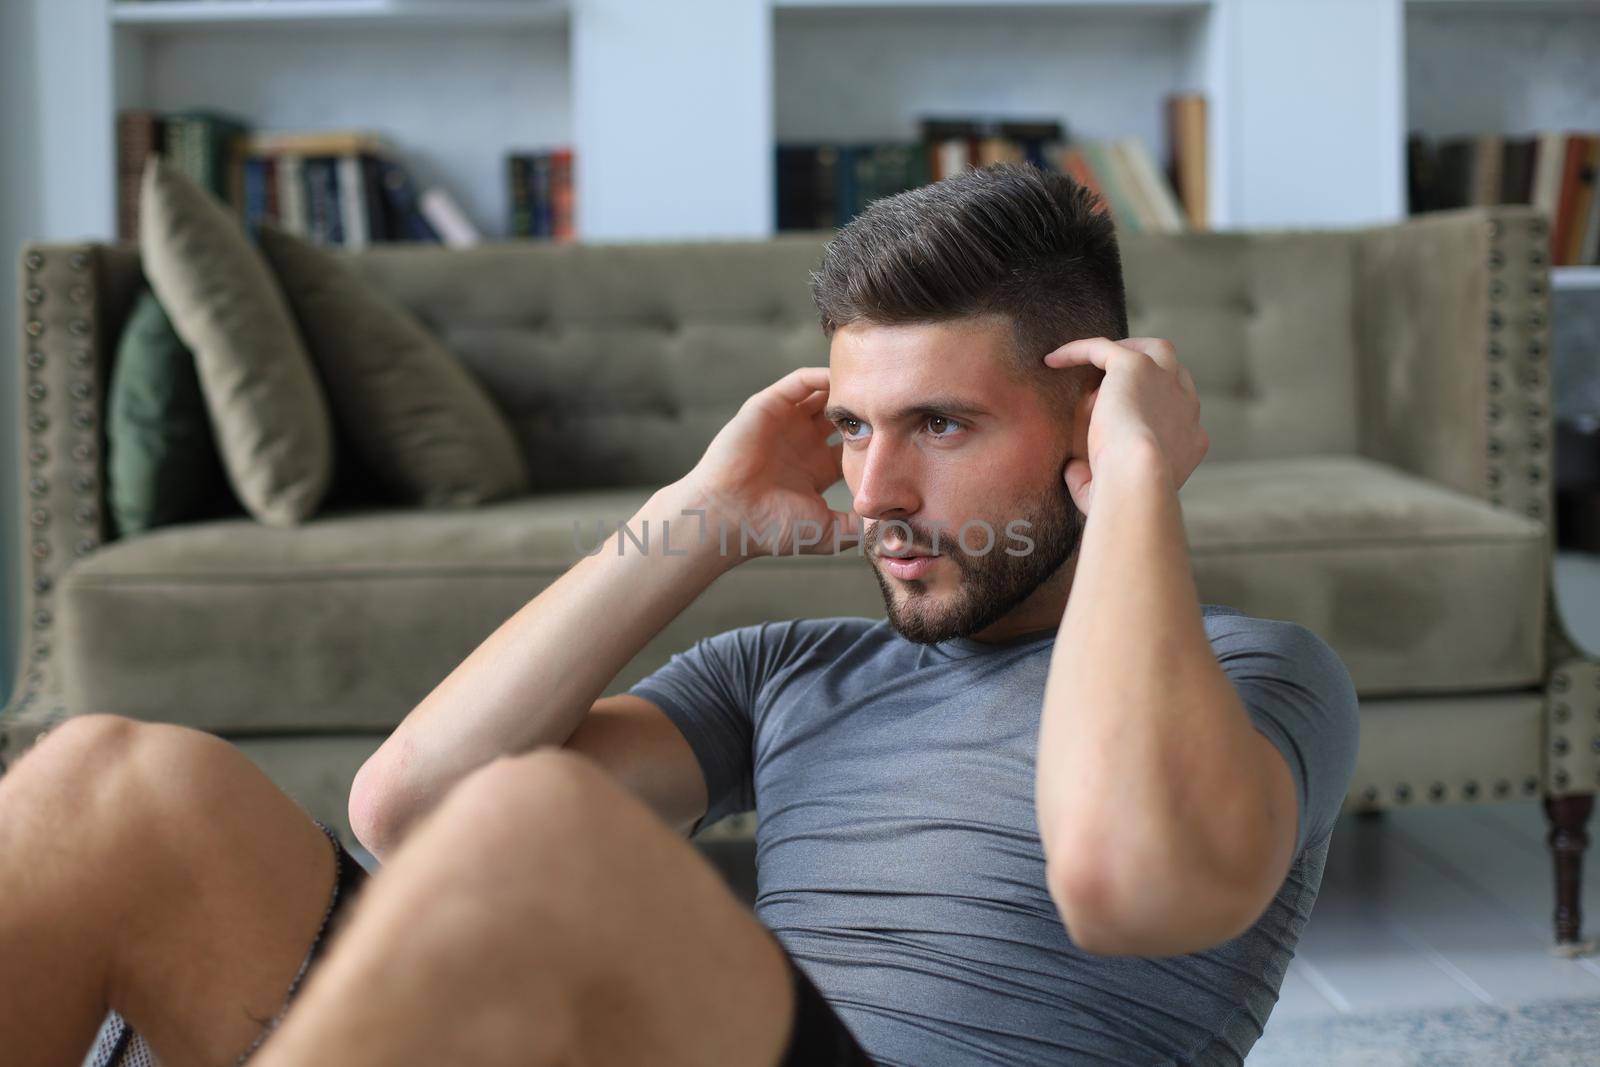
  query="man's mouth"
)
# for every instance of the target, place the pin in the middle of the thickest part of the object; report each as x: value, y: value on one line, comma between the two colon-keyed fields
x: 908, y: 564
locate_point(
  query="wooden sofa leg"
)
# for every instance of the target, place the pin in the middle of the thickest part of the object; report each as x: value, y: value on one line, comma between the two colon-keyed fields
x: 1567, y: 816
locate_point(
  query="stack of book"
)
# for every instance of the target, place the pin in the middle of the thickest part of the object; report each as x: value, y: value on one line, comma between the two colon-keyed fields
x: 825, y: 185
x: 344, y: 188
x: 1553, y: 170
x: 541, y: 194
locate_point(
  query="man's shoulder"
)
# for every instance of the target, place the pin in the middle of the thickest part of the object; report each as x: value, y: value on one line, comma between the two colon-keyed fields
x: 1254, y: 644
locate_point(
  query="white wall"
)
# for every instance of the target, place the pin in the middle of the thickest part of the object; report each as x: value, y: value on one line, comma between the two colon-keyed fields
x: 672, y: 115
x: 1312, y: 92
x: 1452, y: 90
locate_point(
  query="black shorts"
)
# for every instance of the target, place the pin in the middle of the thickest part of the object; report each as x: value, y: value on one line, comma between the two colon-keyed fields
x: 819, y: 1038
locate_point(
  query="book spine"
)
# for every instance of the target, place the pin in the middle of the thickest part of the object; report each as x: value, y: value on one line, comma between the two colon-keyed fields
x: 269, y: 184
x: 352, y: 202
x: 1571, y: 178
x: 379, y: 225
x: 255, y: 194
x: 401, y: 198
x: 292, y: 194
x: 563, y: 217
x: 1589, y: 153
x: 541, y: 195
x: 521, y: 222
x: 446, y: 216
x: 138, y: 138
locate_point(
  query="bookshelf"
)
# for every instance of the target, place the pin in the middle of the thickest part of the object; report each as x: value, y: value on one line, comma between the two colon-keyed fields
x: 172, y: 14
x: 1543, y: 76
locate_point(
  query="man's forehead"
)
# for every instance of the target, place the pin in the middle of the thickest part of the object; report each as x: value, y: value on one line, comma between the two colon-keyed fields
x: 904, y: 363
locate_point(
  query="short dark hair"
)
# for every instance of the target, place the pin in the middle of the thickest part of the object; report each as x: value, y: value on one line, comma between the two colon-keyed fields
x: 1007, y: 239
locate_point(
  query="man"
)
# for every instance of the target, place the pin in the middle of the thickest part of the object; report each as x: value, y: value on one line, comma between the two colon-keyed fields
x: 1051, y: 809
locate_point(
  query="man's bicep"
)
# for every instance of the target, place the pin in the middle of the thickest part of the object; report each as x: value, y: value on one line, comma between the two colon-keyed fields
x: 1298, y: 693
x: 708, y: 693
x: 634, y: 740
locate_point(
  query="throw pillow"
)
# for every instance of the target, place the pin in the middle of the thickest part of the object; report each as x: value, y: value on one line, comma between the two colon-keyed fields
x: 419, y: 420
x: 161, y: 458
x: 267, y: 408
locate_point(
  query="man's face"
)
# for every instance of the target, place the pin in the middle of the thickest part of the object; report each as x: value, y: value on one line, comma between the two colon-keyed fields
x: 939, y: 434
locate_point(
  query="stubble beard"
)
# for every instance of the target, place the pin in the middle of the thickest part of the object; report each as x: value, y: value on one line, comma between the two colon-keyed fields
x: 990, y: 584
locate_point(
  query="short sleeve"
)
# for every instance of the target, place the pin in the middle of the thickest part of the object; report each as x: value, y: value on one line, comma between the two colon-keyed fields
x: 709, y: 692
x: 1299, y: 694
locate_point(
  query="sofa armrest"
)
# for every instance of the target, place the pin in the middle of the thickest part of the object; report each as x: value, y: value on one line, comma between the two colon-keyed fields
x: 73, y: 300
x: 1452, y: 324
x: 1453, y: 336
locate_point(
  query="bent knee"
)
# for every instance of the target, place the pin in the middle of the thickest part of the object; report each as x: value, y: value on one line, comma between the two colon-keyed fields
x: 547, y: 790
x: 116, y: 773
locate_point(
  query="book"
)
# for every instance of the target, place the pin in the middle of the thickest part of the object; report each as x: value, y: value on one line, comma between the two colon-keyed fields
x: 322, y: 199
x: 1186, y: 146
x: 1577, y: 155
x: 1165, y: 213
x: 401, y: 204
x: 352, y: 191
x: 293, y: 214
x: 1577, y: 229
x: 139, y: 136
x: 563, y: 219
x: 447, y: 219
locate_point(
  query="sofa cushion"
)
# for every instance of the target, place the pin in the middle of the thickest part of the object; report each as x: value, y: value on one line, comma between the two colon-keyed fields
x: 421, y: 422
x: 349, y: 621
x: 1420, y: 588
x: 267, y: 408
x: 161, y: 459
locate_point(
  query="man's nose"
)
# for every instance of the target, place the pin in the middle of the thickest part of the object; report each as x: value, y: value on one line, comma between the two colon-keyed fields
x: 886, y: 488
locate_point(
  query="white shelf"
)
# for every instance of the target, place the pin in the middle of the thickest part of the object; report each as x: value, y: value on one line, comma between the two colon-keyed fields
x: 1575, y: 277
x: 192, y: 14
x: 1169, y: 7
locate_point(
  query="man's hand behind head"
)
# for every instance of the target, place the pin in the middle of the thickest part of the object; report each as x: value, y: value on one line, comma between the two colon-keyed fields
x: 764, y: 473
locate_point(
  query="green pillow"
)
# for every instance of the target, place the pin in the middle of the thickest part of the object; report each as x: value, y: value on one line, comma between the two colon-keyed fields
x: 272, y: 423
x: 161, y: 458
x: 415, y: 416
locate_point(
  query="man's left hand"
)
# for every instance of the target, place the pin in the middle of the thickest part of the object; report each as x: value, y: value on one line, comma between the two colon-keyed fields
x: 1145, y: 399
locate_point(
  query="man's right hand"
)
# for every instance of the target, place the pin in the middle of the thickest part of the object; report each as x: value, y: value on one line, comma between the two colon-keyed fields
x: 767, y: 469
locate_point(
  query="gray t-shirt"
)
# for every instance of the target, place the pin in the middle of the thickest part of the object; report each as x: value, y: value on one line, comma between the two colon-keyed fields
x: 898, y: 854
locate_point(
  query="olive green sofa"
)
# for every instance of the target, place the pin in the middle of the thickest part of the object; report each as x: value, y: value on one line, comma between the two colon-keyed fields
x: 1378, y: 403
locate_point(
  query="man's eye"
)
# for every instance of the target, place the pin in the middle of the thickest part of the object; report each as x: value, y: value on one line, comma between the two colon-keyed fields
x: 937, y: 423
x: 847, y: 427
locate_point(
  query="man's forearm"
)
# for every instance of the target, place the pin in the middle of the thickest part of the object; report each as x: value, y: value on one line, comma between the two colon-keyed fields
x: 1143, y: 745
x: 533, y: 679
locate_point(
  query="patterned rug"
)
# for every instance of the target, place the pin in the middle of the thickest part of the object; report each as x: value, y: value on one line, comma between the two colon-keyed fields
x: 1550, y: 1033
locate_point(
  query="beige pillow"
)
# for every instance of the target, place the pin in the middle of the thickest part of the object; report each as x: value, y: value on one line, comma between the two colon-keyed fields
x: 418, y: 419
x: 266, y: 405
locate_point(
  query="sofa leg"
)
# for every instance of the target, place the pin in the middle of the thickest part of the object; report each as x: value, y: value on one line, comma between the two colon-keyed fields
x: 1567, y: 816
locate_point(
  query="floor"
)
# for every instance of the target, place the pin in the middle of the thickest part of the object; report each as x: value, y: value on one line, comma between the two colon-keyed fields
x: 1438, y: 906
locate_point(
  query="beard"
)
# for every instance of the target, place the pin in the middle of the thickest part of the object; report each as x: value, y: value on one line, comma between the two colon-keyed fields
x: 991, y: 584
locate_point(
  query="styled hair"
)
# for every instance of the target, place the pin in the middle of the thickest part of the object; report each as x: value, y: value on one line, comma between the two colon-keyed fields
x: 1032, y: 246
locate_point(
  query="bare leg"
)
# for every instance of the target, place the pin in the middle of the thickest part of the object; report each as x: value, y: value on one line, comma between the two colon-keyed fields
x: 543, y: 914
x: 155, y: 870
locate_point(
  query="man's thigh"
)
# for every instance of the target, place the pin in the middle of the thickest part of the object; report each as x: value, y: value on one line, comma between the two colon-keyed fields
x: 543, y: 913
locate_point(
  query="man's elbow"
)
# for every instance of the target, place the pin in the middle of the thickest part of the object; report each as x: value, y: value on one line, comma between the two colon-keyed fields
x: 374, y: 807
x: 1154, y: 919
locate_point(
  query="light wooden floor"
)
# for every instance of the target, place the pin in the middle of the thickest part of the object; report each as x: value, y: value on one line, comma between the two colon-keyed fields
x: 1437, y: 906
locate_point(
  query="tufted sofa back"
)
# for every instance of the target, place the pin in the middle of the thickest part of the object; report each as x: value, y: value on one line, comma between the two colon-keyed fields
x: 618, y: 363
